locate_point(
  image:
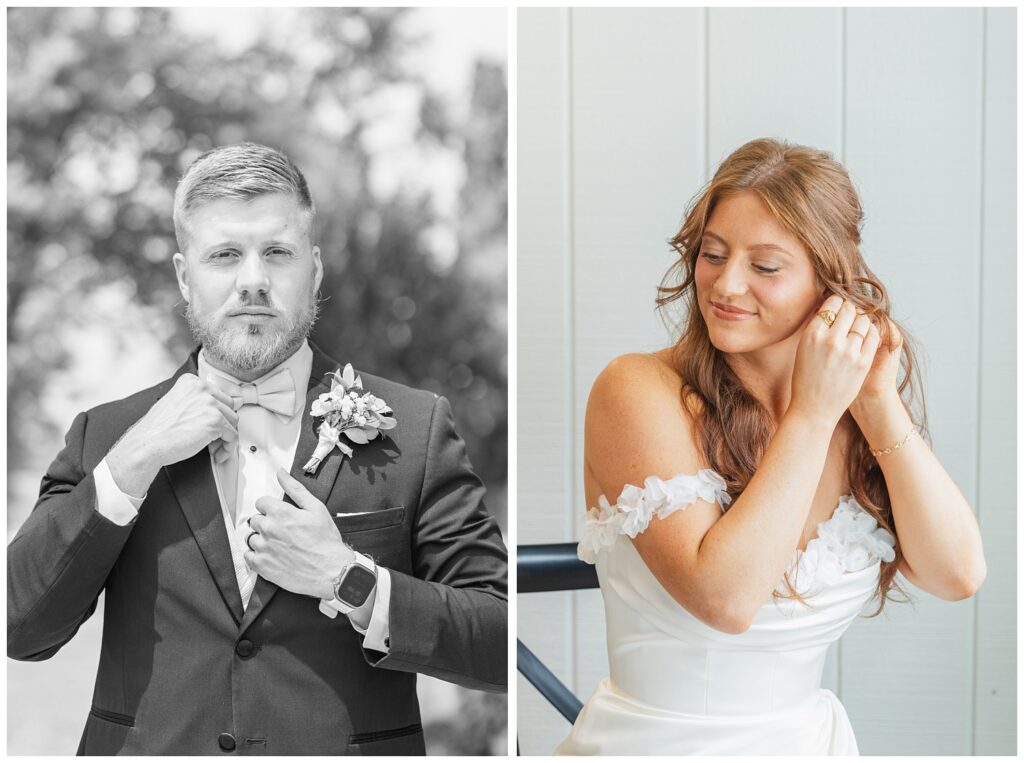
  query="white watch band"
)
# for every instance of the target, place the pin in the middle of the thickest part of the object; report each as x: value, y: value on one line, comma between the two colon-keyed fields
x: 331, y: 607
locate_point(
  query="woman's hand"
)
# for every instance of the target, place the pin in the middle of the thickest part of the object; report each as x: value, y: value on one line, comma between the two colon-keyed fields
x: 832, y: 362
x: 881, y: 379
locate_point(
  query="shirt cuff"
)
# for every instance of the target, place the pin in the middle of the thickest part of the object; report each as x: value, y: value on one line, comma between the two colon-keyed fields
x: 113, y: 503
x: 376, y: 635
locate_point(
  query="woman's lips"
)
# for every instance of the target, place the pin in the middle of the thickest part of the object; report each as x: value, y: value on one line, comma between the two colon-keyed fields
x: 733, y: 314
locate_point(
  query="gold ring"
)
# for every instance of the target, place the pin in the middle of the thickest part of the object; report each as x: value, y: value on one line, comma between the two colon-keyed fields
x: 828, y: 316
x: 858, y: 334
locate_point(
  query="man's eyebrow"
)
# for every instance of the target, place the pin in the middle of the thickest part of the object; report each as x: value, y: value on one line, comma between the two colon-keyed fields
x: 232, y: 244
x: 772, y: 247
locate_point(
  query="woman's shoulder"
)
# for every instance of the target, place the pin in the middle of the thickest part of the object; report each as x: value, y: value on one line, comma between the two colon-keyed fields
x: 644, y: 379
x: 639, y: 371
x: 638, y: 406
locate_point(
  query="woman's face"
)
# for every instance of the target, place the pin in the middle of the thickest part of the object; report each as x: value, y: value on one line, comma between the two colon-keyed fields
x: 755, y: 282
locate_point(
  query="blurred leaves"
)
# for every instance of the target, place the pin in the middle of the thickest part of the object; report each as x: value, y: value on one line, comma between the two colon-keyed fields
x: 476, y: 729
x: 108, y: 106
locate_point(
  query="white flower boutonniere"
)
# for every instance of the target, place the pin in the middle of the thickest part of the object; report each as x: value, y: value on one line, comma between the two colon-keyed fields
x: 347, y: 410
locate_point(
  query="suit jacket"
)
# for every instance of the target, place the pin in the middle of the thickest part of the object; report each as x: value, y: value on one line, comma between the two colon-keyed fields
x: 184, y: 670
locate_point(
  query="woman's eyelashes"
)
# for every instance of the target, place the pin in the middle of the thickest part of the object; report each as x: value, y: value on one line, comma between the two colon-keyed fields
x: 717, y: 259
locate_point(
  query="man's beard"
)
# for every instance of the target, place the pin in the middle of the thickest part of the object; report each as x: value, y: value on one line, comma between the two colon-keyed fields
x: 245, y: 349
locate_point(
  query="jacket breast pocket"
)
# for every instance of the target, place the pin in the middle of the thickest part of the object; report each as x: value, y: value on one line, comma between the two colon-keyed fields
x: 370, y: 520
x: 381, y: 535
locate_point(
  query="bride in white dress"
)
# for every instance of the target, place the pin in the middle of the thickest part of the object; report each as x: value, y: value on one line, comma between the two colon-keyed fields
x: 770, y: 480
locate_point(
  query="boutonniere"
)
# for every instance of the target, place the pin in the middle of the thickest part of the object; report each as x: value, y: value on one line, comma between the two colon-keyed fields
x: 347, y: 410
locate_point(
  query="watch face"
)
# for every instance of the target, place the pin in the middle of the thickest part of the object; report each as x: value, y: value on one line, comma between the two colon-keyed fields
x: 355, y: 587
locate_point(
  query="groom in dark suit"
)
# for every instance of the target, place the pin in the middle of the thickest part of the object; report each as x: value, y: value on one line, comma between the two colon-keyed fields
x: 260, y: 600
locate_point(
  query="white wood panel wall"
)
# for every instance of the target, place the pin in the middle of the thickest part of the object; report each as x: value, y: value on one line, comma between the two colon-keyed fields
x: 623, y: 116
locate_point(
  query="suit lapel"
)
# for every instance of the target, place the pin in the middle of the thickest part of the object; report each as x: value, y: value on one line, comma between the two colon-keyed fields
x: 319, y: 484
x: 196, y: 490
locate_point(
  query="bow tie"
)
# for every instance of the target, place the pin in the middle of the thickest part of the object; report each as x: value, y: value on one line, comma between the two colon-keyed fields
x: 275, y: 393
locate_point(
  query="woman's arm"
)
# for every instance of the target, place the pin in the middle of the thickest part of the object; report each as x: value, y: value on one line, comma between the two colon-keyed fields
x: 723, y: 568
x: 938, y: 533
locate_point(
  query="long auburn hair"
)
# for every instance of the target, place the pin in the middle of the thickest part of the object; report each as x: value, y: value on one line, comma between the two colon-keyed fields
x: 811, y: 194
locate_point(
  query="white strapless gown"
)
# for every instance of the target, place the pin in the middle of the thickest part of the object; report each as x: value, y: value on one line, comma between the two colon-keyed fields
x: 679, y: 687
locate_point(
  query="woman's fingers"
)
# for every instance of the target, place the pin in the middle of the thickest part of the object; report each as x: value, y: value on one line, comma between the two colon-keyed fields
x: 895, y: 337
x: 845, y: 317
x: 861, y: 327
x: 832, y: 304
x: 871, y: 342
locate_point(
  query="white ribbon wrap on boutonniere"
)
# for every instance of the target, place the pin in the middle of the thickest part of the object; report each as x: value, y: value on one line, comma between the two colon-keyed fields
x: 347, y: 411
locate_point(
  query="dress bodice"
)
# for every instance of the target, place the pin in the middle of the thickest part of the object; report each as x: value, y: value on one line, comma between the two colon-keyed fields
x: 665, y: 663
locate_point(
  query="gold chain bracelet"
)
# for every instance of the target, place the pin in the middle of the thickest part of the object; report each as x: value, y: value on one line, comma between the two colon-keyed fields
x: 891, y: 448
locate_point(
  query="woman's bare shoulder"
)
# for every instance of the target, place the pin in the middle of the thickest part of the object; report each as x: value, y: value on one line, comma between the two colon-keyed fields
x: 643, y: 380
x: 639, y: 372
x: 637, y: 423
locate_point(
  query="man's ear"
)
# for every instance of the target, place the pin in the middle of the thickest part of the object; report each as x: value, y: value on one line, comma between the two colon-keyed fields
x: 318, y: 269
x: 181, y: 271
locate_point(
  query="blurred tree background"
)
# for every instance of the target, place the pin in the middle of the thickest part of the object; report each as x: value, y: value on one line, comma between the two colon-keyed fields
x: 106, y: 109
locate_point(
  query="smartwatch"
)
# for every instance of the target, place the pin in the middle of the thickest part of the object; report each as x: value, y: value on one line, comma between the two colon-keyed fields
x: 352, y: 587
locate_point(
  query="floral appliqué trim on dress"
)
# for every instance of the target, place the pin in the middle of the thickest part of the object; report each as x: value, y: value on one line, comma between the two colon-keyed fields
x: 849, y: 541
x: 636, y: 507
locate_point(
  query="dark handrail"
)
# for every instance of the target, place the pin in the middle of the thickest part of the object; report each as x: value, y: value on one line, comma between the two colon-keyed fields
x: 542, y: 568
x: 553, y: 690
x: 552, y: 567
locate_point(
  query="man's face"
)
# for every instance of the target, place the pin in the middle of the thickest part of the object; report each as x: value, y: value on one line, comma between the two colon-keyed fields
x: 249, y: 275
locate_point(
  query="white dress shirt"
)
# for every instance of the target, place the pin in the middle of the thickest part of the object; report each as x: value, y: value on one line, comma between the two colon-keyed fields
x: 266, y: 441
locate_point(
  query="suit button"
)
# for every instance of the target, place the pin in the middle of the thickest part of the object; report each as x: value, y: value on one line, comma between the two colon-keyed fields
x: 226, y: 742
x: 245, y: 648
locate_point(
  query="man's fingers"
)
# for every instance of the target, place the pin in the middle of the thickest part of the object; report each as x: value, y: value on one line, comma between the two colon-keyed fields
x: 230, y: 414
x: 297, y: 491
x: 227, y: 432
x: 222, y: 399
x: 268, y: 503
x: 211, y: 387
x: 220, y: 451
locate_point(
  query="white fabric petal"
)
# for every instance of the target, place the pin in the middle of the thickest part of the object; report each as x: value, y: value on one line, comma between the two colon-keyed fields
x: 849, y: 541
x: 636, y: 507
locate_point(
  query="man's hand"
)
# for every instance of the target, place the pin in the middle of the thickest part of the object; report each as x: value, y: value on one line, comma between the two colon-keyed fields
x: 189, y: 417
x: 298, y: 547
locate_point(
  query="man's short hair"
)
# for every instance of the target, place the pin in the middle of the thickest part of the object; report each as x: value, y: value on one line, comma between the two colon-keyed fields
x: 242, y: 171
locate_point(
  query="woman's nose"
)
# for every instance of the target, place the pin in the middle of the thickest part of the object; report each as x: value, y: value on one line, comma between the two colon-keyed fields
x: 253, y: 276
x: 731, y: 279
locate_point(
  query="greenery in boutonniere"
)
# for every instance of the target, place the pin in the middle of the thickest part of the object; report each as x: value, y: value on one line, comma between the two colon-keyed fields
x: 350, y: 411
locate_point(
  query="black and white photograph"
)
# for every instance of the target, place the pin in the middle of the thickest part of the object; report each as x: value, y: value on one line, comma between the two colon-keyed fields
x: 257, y: 312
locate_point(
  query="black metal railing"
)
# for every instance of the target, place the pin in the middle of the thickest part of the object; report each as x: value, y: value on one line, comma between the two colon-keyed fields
x: 543, y: 568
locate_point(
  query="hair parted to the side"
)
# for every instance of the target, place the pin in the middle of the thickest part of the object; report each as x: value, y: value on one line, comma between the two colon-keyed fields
x: 811, y: 194
x: 241, y: 171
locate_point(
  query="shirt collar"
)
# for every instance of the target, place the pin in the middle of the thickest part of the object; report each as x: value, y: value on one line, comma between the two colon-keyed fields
x: 300, y: 363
